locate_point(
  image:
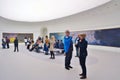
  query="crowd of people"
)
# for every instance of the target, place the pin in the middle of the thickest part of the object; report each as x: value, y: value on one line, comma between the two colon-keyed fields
x: 6, y: 42
x: 48, y: 46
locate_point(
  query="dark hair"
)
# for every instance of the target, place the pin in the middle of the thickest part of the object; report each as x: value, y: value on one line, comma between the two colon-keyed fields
x: 67, y: 31
x: 46, y: 36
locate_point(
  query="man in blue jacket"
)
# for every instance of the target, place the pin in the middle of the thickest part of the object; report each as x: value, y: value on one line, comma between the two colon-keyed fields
x: 68, y: 47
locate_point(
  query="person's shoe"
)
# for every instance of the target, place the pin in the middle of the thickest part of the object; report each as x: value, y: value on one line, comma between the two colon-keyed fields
x: 70, y: 67
x: 80, y: 74
x: 50, y: 57
x: 83, y: 77
x: 46, y: 53
x: 53, y: 57
x: 67, y: 68
x: 76, y: 56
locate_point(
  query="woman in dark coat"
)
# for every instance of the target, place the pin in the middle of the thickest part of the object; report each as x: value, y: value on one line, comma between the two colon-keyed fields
x: 83, y: 54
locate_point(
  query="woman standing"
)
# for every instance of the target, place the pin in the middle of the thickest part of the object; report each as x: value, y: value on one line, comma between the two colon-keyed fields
x: 52, y: 44
x: 83, y: 54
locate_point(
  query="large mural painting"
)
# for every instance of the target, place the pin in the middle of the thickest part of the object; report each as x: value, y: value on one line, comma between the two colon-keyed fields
x: 20, y: 36
x: 103, y: 37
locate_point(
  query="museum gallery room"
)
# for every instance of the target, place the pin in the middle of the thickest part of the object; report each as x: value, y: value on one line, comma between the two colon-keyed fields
x: 59, y: 39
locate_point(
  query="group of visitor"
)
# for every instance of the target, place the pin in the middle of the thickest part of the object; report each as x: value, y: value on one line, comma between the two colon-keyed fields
x: 49, y: 45
x: 5, y: 42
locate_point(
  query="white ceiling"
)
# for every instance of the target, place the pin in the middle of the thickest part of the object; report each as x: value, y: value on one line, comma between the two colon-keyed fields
x: 44, y: 10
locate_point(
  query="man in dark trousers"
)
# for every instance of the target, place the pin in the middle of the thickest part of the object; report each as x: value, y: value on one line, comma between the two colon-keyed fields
x: 16, y: 45
x: 83, y: 54
x: 7, y: 42
x: 68, y: 47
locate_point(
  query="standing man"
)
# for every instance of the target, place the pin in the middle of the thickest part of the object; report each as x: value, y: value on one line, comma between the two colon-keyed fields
x: 7, y: 42
x: 68, y: 47
x: 16, y: 45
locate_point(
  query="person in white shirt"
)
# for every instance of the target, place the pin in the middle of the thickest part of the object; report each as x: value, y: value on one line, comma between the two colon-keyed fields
x: 25, y: 40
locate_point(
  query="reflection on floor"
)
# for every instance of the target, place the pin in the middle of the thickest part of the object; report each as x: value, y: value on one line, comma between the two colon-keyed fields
x: 25, y: 65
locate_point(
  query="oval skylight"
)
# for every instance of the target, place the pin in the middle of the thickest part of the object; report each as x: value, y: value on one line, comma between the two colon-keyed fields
x: 43, y: 10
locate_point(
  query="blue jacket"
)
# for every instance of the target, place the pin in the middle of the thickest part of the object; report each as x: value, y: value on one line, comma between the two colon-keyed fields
x: 68, y: 44
x: 46, y: 48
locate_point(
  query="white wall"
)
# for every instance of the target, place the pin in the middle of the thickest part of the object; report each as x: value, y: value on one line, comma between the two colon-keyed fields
x: 18, y: 27
x: 106, y: 16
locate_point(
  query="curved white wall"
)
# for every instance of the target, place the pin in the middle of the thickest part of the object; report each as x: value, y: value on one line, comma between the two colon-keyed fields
x: 106, y: 16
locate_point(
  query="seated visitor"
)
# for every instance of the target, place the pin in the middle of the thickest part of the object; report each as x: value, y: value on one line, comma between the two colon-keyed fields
x: 35, y: 45
x: 29, y: 44
x: 40, y: 46
x: 61, y: 45
x: 46, y: 45
x: 57, y: 44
